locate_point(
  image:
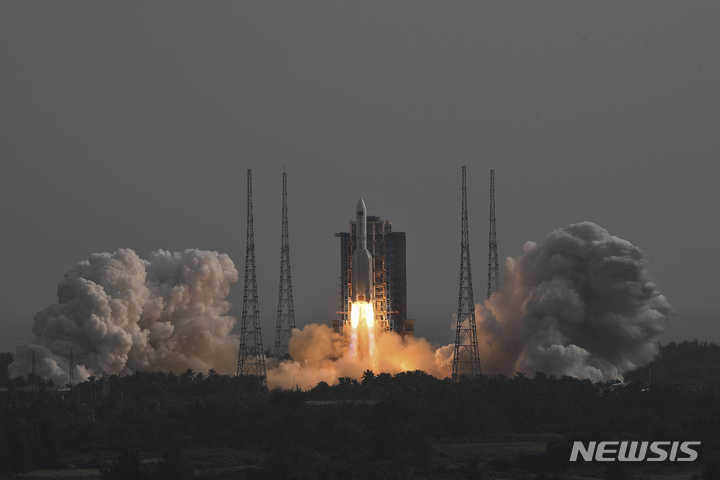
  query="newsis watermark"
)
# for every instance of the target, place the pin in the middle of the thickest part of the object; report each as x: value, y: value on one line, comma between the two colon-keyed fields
x: 634, y: 451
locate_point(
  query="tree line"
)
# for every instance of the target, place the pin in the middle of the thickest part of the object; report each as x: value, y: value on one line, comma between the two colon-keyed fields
x: 381, y: 426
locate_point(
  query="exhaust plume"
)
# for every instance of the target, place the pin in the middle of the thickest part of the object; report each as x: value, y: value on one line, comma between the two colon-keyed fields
x: 581, y: 303
x: 319, y: 355
x: 119, y: 313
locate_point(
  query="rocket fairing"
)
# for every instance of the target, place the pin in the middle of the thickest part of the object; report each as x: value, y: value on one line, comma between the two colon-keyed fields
x: 362, y: 269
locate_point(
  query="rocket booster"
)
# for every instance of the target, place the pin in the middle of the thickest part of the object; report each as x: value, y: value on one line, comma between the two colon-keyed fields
x: 362, y: 269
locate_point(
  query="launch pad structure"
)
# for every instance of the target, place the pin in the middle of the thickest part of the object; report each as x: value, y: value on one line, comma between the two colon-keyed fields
x: 372, y: 270
x: 387, y: 249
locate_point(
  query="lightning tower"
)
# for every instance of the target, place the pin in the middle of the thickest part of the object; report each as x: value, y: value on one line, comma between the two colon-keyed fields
x: 105, y: 384
x: 493, y: 270
x: 72, y: 369
x: 286, y: 312
x: 251, y: 360
x: 465, y: 359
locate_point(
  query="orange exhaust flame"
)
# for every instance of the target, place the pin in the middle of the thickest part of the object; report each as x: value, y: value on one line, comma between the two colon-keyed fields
x: 321, y: 354
x: 362, y: 331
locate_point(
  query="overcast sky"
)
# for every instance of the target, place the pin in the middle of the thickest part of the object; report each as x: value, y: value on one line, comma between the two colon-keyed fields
x: 132, y: 124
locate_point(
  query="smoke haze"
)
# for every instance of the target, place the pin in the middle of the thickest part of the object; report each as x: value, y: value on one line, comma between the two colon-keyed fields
x: 580, y: 303
x: 119, y: 313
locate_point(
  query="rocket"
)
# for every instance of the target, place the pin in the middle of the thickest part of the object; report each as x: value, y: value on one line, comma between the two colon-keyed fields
x: 362, y: 267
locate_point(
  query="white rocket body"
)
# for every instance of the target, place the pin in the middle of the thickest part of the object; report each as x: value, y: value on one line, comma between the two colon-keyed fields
x: 362, y: 269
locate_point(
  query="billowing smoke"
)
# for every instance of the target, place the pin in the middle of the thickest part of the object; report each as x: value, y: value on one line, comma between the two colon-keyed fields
x: 119, y: 313
x: 580, y: 303
x: 319, y: 355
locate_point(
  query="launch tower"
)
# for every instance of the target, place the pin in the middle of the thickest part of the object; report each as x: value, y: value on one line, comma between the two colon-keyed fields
x: 387, y: 249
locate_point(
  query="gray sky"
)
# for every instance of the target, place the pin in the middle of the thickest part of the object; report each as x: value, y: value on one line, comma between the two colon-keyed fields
x: 128, y: 124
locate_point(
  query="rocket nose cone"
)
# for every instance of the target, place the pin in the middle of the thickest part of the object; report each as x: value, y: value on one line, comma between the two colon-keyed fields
x: 361, y: 206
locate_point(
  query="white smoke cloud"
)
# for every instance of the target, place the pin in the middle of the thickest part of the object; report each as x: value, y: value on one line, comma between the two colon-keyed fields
x: 119, y: 313
x: 581, y: 303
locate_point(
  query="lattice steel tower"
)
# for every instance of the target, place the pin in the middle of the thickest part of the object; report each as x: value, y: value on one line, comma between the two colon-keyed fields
x: 465, y: 359
x: 251, y: 359
x: 72, y: 369
x: 493, y: 270
x: 286, y: 312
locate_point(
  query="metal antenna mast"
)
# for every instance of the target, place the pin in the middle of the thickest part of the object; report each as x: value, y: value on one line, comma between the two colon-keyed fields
x: 72, y: 369
x: 286, y: 311
x: 105, y: 384
x: 465, y: 359
x: 251, y: 360
x: 493, y: 270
